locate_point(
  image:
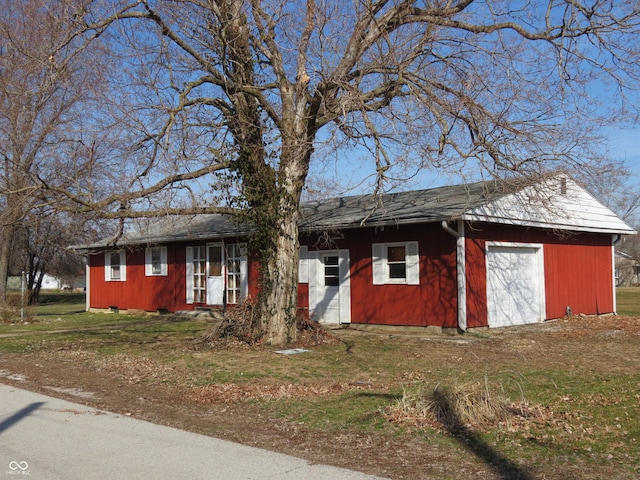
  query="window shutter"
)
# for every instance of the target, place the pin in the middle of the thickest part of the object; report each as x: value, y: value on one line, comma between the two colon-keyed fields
x: 378, y: 264
x: 189, y: 269
x: 107, y: 266
x: 314, y: 280
x: 164, y: 269
x: 303, y: 264
x: 244, y: 272
x: 148, y: 270
x: 413, y: 263
x: 123, y: 266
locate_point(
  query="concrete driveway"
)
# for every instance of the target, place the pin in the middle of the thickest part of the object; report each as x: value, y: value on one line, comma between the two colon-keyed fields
x: 46, y: 438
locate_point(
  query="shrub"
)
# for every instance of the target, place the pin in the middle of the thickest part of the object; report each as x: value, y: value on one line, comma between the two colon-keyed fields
x: 12, y: 310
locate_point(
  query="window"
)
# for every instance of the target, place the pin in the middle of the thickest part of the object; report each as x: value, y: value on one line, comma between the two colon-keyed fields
x: 215, y: 260
x: 114, y: 266
x: 234, y: 272
x: 396, y: 263
x: 156, y: 261
x: 196, y: 275
x: 331, y: 271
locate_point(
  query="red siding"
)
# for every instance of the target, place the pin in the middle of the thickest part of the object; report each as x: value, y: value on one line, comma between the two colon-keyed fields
x: 433, y: 302
x: 139, y: 291
x: 148, y: 293
x: 578, y: 270
x: 578, y: 273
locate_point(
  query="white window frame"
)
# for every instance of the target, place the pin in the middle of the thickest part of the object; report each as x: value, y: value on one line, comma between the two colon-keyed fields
x: 108, y: 270
x: 236, y: 285
x: 380, y: 264
x: 193, y: 272
x: 148, y: 264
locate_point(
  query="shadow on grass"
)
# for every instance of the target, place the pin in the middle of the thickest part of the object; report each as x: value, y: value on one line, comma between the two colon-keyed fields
x: 505, y: 468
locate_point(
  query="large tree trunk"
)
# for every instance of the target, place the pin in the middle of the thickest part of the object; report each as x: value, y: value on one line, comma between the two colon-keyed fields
x: 279, y: 295
x: 278, y: 300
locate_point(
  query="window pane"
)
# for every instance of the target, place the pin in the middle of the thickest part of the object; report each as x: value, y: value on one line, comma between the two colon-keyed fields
x: 397, y: 270
x: 156, y: 261
x: 331, y: 271
x: 396, y: 254
x: 215, y: 261
x: 332, y: 260
x: 115, y: 265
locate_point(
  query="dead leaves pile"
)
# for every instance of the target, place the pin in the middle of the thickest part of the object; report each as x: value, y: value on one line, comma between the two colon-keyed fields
x: 135, y: 369
x: 225, y: 393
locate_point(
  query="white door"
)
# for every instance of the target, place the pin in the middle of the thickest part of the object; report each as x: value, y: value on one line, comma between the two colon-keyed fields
x: 215, y: 278
x: 329, y: 286
x: 515, y: 284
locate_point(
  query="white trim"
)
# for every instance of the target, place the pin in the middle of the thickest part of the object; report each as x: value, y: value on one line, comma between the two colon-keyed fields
x: 314, y: 264
x: 345, y: 286
x: 380, y: 269
x: 538, y: 281
x: 378, y: 263
x: 189, y: 272
x: 87, y: 294
x: 107, y: 266
x: 461, y: 272
x: 244, y: 273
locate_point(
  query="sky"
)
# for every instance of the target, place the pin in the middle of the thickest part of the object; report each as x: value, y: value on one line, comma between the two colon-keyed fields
x: 354, y: 172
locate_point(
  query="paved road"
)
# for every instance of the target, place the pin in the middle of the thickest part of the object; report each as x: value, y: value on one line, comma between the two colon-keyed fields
x: 46, y: 438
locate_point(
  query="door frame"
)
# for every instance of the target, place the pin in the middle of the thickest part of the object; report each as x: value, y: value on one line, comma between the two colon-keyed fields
x: 316, y: 283
x: 537, y: 279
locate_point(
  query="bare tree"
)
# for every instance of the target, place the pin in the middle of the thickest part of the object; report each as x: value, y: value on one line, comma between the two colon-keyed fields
x: 46, y: 125
x: 40, y: 247
x: 239, y: 93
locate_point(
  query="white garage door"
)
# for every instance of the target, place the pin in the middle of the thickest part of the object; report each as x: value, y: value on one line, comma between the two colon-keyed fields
x: 515, y: 284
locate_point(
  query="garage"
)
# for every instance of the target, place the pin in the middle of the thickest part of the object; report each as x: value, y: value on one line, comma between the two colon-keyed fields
x: 515, y: 284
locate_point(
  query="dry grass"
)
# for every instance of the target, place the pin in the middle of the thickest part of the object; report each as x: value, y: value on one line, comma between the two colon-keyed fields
x: 455, y: 407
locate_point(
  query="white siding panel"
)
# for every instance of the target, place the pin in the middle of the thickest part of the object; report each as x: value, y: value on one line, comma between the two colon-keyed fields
x: 551, y: 206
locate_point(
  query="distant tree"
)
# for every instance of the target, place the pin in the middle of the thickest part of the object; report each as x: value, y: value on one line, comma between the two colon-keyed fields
x: 239, y: 93
x: 48, y: 130
x: 40, y: 247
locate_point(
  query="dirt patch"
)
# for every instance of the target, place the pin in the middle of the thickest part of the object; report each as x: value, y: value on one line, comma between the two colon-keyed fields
x: 173, y: 393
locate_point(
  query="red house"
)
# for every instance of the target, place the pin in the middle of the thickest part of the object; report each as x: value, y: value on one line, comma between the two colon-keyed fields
x: 458, y: 257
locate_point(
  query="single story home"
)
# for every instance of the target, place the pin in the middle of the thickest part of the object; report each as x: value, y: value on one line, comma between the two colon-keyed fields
x: 485, y: 254
x: 627, y: 270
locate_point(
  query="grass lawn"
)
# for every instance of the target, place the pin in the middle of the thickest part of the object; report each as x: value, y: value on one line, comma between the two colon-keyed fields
x: 628, y: 299
x: 571, y: 388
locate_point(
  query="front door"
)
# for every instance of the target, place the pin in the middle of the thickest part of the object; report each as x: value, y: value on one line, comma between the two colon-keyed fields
x: 329, y: 286
x: 215, y: 278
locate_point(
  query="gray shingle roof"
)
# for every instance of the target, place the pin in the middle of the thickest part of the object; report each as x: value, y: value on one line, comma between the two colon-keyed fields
x: 419, y: 206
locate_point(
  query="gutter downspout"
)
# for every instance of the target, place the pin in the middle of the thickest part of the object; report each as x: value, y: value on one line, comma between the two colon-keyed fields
x: 615, y: 239
x: 461, y: 271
